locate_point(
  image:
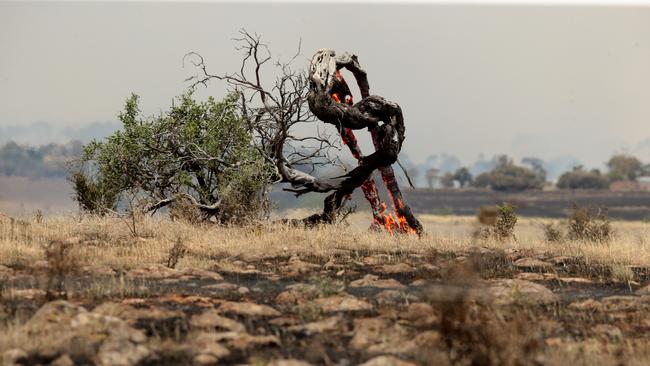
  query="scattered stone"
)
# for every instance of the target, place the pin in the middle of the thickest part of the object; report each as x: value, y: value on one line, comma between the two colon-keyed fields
x: 296, y: 293
x: 398, y: 268
x: 12, y: 356
x: 507, y: 291
x: 157, y: 271
x: 420, y: 313
x: 418, y: 283
x: 205, y: 359
x: 331, y: 265
x: 530, y: 276
x: 643, y: 291
x: 28, y: 294
x: 284, y: 321
x: 237, y: 267
x: 589, y: 304
x: 375, y: 259
x: 621, y: 303
x: 121, y: 352
x: 225, y: 286
x: 295, y: 266
x: 248, y: 309
x: 208, y: 347
x: 374, y: 281
x: 63, y: 360
x: 5, y: 272
x: 170, y: 281
x: 344, y: 302
x: 243, y: 290
x: 212, y: 319
x: 200, y: 274
x: 97, y: 269
x: 134, y: 315
x: 245, y: 341
x: 202, y: 301
x: 377, y: 336
x: 289, y: 362
x: 562, y: 260
x: 386, y: 361
x: 325, y: 325
x: 67, y: 328
x: 430, y: 267
x: 576, y: 280
x: 532, y: 263
x: 553, y: 341
x: 608, y: 331
x: 40, y: 266
x: 393, y: 297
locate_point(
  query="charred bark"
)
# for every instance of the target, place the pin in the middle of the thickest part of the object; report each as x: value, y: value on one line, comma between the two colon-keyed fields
x: 330, y: 101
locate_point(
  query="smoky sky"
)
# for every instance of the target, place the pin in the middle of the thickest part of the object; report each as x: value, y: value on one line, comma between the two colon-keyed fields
x: 541, y: 81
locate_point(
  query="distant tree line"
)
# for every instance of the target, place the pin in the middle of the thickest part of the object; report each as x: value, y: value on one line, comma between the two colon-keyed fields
x: 46, y: 161
x: 501, y: 173
x: 505, y: 175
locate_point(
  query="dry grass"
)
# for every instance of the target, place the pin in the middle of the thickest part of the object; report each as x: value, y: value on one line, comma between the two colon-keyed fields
x: 107, y: 241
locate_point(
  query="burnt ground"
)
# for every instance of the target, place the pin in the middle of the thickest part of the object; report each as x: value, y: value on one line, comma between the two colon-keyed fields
x: 476, y: 307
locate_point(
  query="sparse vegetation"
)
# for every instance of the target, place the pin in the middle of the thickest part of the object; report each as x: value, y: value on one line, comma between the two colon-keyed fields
x: 501, y: 222
x: 176, y: 253
x: 589, y: 223
x: 61, y: 264
x: 552, y: 233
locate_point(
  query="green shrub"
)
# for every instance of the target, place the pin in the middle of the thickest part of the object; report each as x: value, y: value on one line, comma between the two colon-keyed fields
x: 201, y: 152
x: 91, y: 195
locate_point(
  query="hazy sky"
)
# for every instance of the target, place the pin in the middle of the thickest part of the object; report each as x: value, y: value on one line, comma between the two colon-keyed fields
x: 524, y: 80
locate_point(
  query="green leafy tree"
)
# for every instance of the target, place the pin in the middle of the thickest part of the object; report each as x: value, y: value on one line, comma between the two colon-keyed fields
x: 507, y: 176
x: 482, y: 180
x: 463, y: 177
x: 579, y: 178
x: 198, y: 153
x: 624, y: 167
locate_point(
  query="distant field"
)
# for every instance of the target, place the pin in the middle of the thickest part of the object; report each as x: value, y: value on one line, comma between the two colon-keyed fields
x: 21, y: 196
x: 554, y: 204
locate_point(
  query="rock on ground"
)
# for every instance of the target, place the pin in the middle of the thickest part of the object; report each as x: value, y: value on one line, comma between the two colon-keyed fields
x: 374, y: 281
x: 60, y: 327
x: 509, y: 291
x: 248, y: 309
x: 343, y: 302
x: 386, y: 361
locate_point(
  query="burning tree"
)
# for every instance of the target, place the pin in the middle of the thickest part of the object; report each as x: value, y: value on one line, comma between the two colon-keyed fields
x: 323, y: 94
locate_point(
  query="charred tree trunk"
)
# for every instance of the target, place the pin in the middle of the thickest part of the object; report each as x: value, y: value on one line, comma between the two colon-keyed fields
x: 330, y: 100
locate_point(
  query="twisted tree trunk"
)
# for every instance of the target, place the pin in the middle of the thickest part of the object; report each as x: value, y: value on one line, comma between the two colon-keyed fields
x: 330, y: 100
